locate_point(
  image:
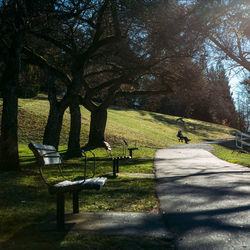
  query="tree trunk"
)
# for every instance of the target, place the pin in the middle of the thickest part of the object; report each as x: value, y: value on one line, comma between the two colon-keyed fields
x: 9, y: 158
x: 53, y: 126
x: 75, y: 130
x: 97, y: 127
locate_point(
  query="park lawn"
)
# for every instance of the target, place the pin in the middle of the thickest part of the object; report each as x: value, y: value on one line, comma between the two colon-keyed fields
x: 232, y: 155
x: 25, y: 201
x: 147, y: 129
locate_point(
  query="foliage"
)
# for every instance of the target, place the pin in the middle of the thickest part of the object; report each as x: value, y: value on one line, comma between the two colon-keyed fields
x: 197, y: 92
x: 225, y: 24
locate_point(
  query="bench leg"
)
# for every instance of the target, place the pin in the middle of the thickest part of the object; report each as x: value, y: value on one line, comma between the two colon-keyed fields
x: 75, y: 202
x: 60, y: 211
x: 114, y: 167
x: 131, y: 153
x: 117, y: 165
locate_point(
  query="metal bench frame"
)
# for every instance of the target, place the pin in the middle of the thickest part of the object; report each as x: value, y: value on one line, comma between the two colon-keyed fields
x: 130, y: 149
x: 47, y: 155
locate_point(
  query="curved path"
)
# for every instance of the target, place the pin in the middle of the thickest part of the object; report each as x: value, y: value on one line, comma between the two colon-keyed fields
x: 205, y: 200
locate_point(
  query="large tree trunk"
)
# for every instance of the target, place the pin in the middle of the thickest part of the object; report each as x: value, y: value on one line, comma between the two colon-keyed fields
x: 97, y: 127
x: 75, y: 130
x: 54, y: 125
x: 55, y: 119
x: 9, y: 158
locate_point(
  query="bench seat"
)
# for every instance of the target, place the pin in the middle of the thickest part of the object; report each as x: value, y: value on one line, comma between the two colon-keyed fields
x: 70, y: 186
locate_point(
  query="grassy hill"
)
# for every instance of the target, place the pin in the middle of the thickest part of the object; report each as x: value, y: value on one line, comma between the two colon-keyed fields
x: 146, y: 128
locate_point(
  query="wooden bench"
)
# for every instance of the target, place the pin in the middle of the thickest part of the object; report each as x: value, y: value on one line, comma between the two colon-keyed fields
x: 47, y: 156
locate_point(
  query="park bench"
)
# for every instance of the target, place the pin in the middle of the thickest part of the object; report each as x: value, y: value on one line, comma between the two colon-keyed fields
x: 130, y: 149
x: 47, y: 156
x: 180, y: 138
x: 110, y: 157
x: 116, y: 160
x: 126, y: 147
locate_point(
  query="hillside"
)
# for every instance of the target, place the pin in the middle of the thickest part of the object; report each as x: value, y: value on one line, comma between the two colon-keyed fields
x: 147, y: 128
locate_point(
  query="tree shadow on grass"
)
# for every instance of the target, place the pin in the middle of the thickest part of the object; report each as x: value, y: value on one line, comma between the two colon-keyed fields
x: 201, y: 130
x: 31, y: 237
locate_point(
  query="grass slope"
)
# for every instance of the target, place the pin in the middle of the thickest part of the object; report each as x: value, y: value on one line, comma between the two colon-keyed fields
x: 146, y: 128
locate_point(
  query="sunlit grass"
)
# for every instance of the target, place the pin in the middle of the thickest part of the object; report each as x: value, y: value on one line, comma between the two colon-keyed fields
x: 232, y: 155
x: 148, y: 129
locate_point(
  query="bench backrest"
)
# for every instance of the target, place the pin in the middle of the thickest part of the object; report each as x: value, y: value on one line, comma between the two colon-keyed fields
x: 45, y: 154
x: 107, y: 146
x: 125, y: 142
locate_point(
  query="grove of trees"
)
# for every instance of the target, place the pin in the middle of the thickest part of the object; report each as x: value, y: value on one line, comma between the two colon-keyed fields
x: 97, y: 53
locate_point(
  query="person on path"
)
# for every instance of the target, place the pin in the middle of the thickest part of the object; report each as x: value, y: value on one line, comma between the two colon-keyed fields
x: 182, y: 137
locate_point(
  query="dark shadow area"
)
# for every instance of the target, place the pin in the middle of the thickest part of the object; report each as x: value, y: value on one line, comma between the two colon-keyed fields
x: 209, y: 204
x: 208, y: 220
x: 164, y: 120
x: 232, y: 145
x: 31, y: 237
x: 42, y: 98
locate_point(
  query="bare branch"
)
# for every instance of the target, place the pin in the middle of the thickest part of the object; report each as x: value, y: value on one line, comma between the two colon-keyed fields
x: 38, y: 60
x: 143, y: 93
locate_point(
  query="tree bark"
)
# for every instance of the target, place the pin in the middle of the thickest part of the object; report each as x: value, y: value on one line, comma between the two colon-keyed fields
x: 53, y: 126
x: 97, y: 127
x: 9, y: 158
x: 75, y: 130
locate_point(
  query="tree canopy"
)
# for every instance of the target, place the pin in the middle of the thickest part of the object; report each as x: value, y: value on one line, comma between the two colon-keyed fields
x: 97, y: 53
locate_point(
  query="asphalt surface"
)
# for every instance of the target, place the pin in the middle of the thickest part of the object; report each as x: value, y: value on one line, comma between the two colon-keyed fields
x: 205, y: 201
x: 117, y: 223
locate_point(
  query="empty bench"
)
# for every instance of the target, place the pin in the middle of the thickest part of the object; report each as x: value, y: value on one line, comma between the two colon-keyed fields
x: 115, y: 160
x: 47, y: 156
x: 130, y: 149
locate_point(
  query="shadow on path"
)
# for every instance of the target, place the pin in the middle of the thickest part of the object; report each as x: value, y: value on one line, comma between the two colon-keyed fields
x: 205, y: 201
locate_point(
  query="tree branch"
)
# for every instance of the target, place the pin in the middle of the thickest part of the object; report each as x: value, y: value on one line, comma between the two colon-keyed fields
x: 98, y: 25
x: 242, y: 62
x: 38, y: 60
x: 53, y: 41
x: 143, y: 93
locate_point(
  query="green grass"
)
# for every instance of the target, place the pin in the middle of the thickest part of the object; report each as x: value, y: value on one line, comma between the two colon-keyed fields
x: 232, y: 155
x: 25, y: 201
x: 147, y: 129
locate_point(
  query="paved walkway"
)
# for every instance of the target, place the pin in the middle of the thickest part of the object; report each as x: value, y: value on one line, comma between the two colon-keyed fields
x: 205, y: 201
